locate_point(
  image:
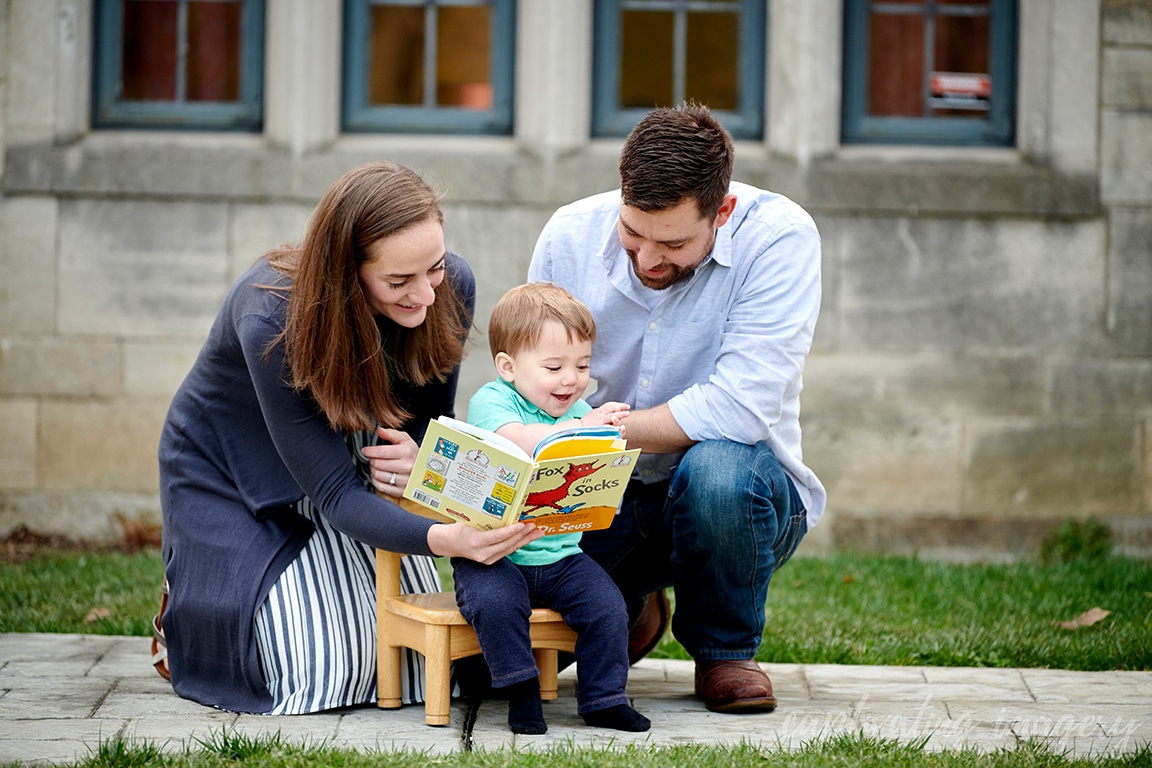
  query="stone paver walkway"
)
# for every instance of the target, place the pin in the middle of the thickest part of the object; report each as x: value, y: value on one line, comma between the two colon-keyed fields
x: 61, y: 695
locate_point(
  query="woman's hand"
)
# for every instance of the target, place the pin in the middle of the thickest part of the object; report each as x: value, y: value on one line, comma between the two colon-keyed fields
x: 460, y: 540
x: 390, y: 464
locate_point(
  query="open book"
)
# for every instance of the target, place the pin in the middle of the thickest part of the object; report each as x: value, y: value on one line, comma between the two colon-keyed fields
x: 573, y: 481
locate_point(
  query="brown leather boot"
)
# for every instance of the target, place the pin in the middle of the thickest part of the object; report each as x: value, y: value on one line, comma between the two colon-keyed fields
x: 734, y: 685
x: 650, y: 626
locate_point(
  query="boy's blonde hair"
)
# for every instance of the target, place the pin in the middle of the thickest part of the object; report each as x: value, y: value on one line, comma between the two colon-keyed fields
x: 520, y: 314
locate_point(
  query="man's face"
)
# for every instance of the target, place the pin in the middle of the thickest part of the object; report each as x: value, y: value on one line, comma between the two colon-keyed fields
x: 666, y: 246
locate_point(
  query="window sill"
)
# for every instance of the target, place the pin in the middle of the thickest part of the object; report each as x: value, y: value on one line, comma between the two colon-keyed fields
x: 888, y: 180
x: 934, y: 181
x: 233, y: 167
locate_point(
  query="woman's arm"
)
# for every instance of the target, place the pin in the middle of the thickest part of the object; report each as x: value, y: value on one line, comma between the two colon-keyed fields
x: 316, y: 455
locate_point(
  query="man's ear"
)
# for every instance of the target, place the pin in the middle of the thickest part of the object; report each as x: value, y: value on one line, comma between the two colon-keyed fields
x: 726, y: 209
x: 505, y: 367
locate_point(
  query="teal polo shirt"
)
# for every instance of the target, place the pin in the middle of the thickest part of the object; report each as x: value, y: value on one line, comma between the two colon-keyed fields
x: 498, y: 403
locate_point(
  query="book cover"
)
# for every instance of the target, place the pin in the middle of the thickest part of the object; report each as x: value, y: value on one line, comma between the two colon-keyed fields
x: 574, y: 481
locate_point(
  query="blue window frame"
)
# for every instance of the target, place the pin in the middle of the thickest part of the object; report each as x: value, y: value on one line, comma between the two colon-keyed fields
x: 183, y: 64
x: 652, y: 53
x: 428, y: 66
x: 930, y: 72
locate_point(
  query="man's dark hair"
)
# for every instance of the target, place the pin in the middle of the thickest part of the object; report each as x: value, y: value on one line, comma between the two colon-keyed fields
x: 674, y: 154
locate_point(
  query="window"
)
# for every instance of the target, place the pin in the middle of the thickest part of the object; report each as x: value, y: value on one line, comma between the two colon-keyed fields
x: 653, y: 53
x: 930, y: 72
x: 190, y: 64
x: 428, y: 66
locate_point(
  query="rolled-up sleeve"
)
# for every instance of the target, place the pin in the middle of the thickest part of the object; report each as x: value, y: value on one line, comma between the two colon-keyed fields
x: 766, y: 335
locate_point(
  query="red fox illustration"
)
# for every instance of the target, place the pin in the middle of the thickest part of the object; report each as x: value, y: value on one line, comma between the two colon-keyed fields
x: 550, y: 496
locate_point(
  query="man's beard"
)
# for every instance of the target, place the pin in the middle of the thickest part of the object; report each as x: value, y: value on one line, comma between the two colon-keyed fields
x: 674, y: 275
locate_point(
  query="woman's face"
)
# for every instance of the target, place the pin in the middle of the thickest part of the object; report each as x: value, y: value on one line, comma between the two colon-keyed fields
x: 401, y: 272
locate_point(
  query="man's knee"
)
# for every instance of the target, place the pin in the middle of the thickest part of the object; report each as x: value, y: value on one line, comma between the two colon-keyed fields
x: 723, y: 490
x: 720, y: 471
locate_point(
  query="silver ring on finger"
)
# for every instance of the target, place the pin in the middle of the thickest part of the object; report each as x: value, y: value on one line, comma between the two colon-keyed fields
x: 392, y: 480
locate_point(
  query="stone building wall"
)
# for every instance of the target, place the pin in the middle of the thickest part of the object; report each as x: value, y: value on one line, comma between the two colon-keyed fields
x: 982, y: 368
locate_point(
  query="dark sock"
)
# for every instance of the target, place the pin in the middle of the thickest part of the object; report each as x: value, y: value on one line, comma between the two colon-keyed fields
x: 473, y: 677
x: 525, y: 710
x: 620, y: 717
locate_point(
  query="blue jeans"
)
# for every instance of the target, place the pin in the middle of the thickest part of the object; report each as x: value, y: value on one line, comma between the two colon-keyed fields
x: 715, y: 531
x: 497, y: 600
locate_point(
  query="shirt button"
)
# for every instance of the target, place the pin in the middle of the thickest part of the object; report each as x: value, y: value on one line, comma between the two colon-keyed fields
x: 644, y: 383
x: 651, y: 326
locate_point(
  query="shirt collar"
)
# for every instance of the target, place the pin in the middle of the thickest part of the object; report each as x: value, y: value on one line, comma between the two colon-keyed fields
x: 527, y: 404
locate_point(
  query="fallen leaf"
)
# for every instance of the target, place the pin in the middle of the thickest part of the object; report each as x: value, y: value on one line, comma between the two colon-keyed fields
x: 1086, y: 619
x: 96, y: 614
x: 848, y: 579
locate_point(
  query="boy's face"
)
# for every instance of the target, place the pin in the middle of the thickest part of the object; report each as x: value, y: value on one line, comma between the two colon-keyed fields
x: 551, y: 375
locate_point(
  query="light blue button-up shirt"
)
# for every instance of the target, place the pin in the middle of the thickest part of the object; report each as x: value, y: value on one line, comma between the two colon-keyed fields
x: 725, y: 348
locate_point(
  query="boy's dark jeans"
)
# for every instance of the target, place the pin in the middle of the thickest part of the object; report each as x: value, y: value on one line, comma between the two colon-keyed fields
x: 497, y: 600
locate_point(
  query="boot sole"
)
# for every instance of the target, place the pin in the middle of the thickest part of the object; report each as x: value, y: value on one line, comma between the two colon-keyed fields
x: 761, y: 704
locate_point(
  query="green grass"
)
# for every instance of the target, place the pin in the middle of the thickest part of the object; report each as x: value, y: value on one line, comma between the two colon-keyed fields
x: 841, y: 609
x: 55, y: 591
x: 865, y: 609
x: 230, y: 750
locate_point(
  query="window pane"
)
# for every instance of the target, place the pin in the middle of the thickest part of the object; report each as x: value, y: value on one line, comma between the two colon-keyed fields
x: 962, y: 48
x: 712, y: 72
x: 930, y: 71
x: 462, y: 57
x: 646, y: 47
x: 962, y: 43
x: 148, y: 71
x: 396, y: 55
x: 213, y: 51
x: 896, y: 65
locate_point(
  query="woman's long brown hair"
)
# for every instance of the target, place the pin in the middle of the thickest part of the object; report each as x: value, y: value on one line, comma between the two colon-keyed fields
x: 331, y: 340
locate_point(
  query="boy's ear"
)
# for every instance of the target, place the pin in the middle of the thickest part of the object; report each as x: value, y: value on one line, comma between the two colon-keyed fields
x: 505, y: 367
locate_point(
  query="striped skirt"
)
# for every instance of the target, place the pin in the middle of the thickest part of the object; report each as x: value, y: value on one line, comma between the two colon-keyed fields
x: 316, y: 632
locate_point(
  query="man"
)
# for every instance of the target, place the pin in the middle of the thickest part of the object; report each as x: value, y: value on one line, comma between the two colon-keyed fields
x: 705, y: 294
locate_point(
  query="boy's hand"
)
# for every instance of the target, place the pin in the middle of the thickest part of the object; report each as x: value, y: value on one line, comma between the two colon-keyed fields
x: 607, y: 414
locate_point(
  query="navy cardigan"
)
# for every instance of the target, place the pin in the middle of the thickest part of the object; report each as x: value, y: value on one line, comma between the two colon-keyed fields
x: 240, y: 447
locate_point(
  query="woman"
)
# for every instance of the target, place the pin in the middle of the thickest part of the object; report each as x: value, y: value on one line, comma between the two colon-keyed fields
x: 269, y: 520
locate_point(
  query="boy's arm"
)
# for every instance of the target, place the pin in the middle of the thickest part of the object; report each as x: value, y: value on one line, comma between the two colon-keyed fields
x: 527, y: 436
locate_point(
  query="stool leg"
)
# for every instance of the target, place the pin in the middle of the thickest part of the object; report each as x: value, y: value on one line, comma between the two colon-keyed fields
x: 546, y: 663
x: 387, y: 677
x: 437, y: 677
